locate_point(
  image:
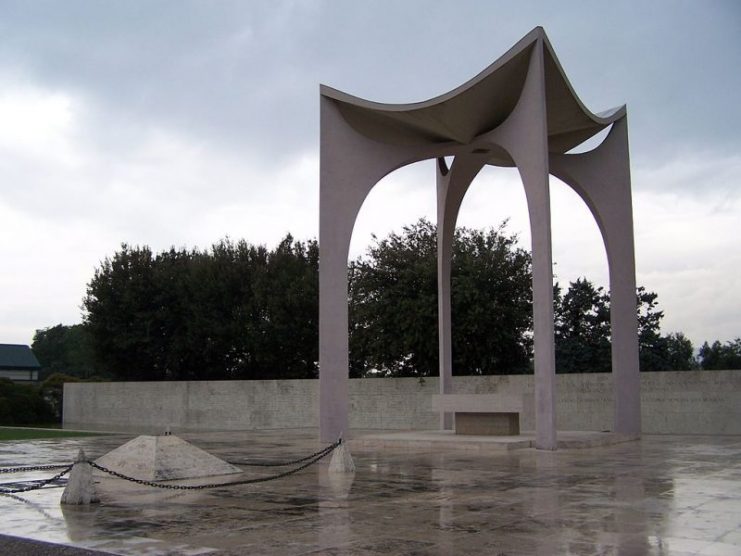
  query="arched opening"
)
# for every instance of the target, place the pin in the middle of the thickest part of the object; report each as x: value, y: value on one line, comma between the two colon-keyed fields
x: 496, y: 196
x: 582, y: 326
x: 392, y: 331
x: 490, y: 284
x: 399, y: 199
x: 578, y: 248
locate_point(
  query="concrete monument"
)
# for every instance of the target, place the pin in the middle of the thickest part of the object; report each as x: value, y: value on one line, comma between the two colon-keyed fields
x: 80, y: 488
x: 163, y: 458
x: 519, y: 112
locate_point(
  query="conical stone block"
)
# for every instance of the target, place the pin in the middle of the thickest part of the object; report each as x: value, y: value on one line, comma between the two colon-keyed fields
x: 341, y: 461
x: 80, y: 488
x: 162, y: 458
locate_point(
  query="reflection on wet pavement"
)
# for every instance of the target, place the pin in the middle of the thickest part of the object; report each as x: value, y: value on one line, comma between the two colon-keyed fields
x: 660, y: 495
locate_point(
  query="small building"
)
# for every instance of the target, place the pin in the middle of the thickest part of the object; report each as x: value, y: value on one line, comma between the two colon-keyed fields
x: 18, y: 363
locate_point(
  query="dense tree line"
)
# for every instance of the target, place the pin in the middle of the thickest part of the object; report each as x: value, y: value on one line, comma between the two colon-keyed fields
x: 234, y: 311
x: 393, y: 309
x: 240, y: 311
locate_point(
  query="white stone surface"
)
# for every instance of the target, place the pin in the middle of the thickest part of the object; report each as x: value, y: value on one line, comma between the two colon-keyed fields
x: 341, y: 461
x: 161, y: 458
x: 80, y: 488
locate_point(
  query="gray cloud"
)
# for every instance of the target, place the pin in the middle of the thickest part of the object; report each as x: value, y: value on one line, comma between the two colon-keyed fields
x: 180, y: 122
x: 246, y: 73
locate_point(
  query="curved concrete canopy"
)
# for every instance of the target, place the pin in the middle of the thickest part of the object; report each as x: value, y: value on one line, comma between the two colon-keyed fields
x: 480, y: 106
x: 521, y: 111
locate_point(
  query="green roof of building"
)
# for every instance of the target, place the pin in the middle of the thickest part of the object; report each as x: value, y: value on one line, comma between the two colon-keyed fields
x: 17, y: 357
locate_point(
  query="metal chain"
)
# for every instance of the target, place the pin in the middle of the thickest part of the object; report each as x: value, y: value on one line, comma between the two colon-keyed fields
x: 37, y: 484
x: 17, y: 484
x: 318, y: 456
x: 32, y: 468
x: 242, y: 463
x: 278, y: 463
x: 307, y: 461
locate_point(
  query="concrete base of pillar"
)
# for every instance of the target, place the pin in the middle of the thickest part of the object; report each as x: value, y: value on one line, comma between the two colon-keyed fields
x: 341, y: 461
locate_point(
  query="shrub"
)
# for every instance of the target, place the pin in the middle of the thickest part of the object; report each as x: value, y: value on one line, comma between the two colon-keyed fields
x: 23, y: 404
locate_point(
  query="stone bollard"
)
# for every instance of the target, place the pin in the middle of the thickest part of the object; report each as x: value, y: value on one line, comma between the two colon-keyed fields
x: 80, y: 487
x: 341, y: 461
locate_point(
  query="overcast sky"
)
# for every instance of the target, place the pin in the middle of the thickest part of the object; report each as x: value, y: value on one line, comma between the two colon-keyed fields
x: 179, y: 123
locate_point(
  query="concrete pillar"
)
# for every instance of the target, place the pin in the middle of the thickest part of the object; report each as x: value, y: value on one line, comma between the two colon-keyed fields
x: 525, y: 137
x: 350, y: 165
x: 452, y: 184
x: 602, y: 178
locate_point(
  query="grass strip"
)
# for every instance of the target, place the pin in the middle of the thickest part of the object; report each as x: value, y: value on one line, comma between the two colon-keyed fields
x: 28, y: 433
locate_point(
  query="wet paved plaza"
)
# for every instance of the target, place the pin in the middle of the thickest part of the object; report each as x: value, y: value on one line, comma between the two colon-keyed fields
x: 660, y: 495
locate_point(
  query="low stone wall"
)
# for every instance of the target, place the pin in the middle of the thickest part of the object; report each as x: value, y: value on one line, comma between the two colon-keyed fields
x: 193, y: 405
x: 685, y: 402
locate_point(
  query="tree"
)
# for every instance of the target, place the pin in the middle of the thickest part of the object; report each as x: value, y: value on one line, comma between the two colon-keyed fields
x: 121, y: 313
x: 239, y: 311
x: 52, y: 390
x: 23, y: 404
x: 393, y: 304
x: 652, y: 347
x: 288, y: 291
x: 64, y: 349
x: 582, y: 328
x: 680, y: 352
x: 235, y: 311
x: 491, y: 303
x: 721, y: 356
x: 583, y: 335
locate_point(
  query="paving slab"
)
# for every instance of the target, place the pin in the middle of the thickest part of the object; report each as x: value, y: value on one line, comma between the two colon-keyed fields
x: 657, y: 495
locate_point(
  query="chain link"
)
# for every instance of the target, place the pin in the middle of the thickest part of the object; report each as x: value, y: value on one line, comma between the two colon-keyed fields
x: 32, y: 468
x: 316, y: 457
x: 307, y: 461
x: 279, y: 463
x: 37, y: 484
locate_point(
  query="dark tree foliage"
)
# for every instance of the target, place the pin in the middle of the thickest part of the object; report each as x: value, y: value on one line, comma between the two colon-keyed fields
x: 64, y: 349
x: 52, y: 390
x: 582, y: 328
x: 673, y: 352
x: 491, y: 303
x: 242, y: 311
x: 288, y: 314
x: 393, y: 304
x: 236, y: 311
x: 582, y: 332
x: 719, y: 356
x: 652, y: 349
x: 23, y: 404
x: 680, y: 353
